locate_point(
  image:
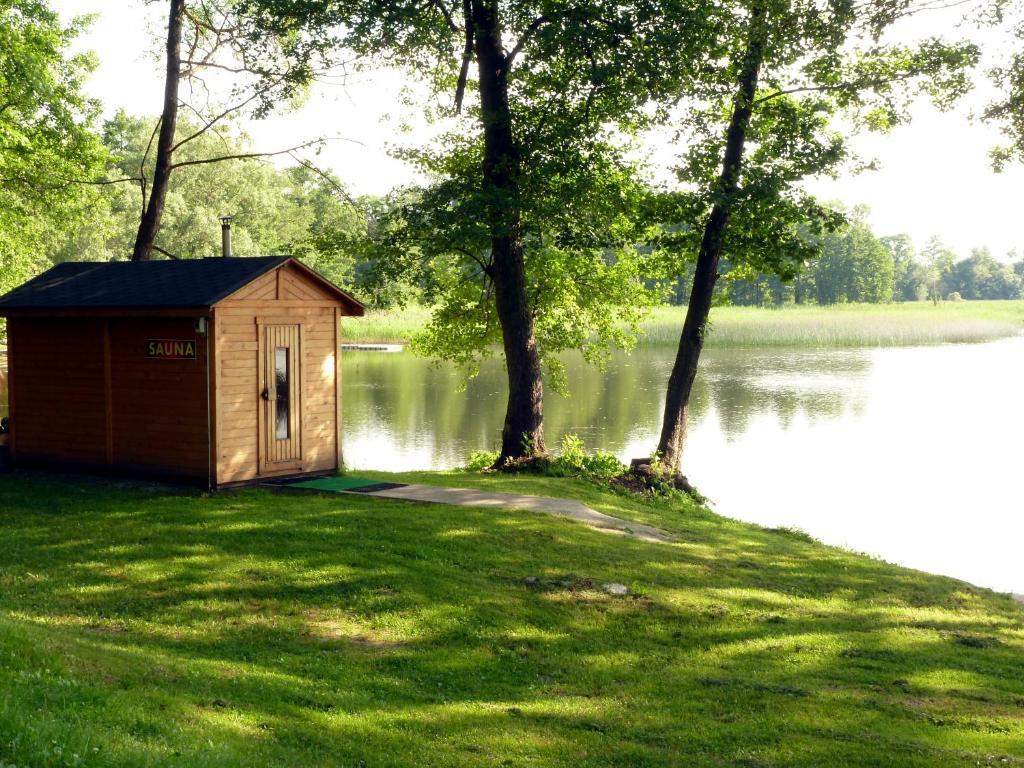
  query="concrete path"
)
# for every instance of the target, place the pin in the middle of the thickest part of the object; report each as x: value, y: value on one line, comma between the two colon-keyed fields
x: 574, y: 510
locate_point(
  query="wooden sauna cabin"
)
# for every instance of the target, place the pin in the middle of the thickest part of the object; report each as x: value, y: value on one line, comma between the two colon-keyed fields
x: 216, y: 371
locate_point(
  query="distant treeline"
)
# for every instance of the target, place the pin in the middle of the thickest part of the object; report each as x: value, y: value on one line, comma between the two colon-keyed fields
x: 306, y: 212
x: 857, y: 266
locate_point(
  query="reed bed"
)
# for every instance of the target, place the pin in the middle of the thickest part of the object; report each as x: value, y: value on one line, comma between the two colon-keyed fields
x: 389, y: 326
x: 850, y: 325
x: 845, y: 326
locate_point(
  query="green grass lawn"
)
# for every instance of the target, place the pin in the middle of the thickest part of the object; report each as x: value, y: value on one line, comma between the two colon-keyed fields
x: 845, y: 325
x: 148, y: 626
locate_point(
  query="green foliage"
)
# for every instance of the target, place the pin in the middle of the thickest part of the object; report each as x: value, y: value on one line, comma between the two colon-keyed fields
x: 321, y: 224
x: 478, y: 461
x: 981, y: 276
x: 47, y: 147
x: 57, y: 203
x: 574, y: 461
x: 816, y: 71
x: 938, y: 260
x: 854, y: 266
x: 857, y: 266
x: 576, y: 65
x: 1006, y: 111
x: 796, y: 534
x: 295, y: 211
x: 582, y: 226
x: 581, y: 83
x: 910, y: 276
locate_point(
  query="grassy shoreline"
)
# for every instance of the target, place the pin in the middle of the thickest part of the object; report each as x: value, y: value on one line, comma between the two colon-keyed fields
x: 150, y: 626
x: 850, y: 325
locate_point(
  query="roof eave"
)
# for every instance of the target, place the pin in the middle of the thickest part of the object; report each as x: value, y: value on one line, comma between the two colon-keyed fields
x: 170, y: 311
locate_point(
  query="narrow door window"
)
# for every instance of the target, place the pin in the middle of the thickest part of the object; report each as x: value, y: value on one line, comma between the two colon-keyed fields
x: 282, y: 385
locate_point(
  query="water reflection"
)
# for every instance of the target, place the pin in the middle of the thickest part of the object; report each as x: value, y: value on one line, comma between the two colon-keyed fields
x: 407, y: 413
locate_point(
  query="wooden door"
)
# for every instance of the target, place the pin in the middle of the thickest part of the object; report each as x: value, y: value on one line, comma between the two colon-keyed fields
x: 280, y: 393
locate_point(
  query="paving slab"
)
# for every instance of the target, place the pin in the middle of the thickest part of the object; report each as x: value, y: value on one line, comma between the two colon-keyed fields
x: 568, y: 508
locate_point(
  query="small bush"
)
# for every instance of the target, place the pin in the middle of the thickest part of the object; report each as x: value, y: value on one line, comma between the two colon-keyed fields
x: 478, y: 461
x: 574, y: 461
x: 571, y: 461
x: 797, y: 534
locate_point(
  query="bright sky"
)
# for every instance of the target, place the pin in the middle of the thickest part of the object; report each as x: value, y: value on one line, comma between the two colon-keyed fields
x: 934, y: 176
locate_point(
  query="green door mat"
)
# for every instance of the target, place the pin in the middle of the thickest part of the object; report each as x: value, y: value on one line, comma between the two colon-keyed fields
x: 345, y: 483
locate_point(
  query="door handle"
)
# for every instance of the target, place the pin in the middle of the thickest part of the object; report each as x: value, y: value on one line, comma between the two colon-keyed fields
x: 265, y: 394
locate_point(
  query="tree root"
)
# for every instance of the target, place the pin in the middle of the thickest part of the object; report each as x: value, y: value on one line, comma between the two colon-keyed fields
x: 537, y: 464
x: 644, y: 478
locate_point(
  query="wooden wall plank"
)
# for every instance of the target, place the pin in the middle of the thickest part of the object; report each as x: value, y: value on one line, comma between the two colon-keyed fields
x: 238, y: 343
x: 214, y: 398
x: 160, y: 407
x: 12, y: 444
x: 263, y: 287
x: 108, y: 403
x: 48, y: 358
x: 86, y: 395
x: 295, y: 285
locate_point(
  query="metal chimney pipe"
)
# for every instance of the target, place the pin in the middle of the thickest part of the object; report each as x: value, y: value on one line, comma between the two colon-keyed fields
x: 225, y: 236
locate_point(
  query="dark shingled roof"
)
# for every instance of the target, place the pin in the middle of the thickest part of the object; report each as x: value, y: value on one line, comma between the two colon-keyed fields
x: 141, y: 285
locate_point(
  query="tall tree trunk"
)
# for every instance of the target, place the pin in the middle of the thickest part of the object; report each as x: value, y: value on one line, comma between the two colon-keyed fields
x: 691, y: 342
x: 150, y: 224
x: 523, y: 432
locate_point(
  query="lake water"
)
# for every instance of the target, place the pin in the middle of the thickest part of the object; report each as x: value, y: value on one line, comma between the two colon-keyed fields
x: 911, y: 454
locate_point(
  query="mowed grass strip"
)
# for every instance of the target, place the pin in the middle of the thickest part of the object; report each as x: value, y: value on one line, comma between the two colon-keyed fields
x: 844, y: 325
x: 147, y: 626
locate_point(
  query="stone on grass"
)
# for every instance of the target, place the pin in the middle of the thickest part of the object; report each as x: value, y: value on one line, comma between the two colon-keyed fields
x: 614, y: 588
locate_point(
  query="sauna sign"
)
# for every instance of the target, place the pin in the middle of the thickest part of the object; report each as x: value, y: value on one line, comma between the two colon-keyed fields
x: 171, y: 349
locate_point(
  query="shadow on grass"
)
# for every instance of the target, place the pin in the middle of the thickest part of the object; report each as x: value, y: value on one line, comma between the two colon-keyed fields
x: 140, y: 625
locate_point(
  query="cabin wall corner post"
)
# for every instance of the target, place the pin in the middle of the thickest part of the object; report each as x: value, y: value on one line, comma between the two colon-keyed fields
x: 339, y: 456
x: 212, y: 399
x: 261, y: 377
